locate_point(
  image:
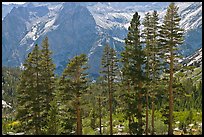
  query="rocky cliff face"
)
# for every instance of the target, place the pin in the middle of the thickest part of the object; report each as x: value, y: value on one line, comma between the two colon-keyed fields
x: 75, y: 34
x: 13, y: 30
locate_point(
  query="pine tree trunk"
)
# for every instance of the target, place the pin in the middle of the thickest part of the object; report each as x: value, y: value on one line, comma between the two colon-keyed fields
x: 77, y: 129
x: 129, y: 122
x: 140, y: 104
x: 37, y: 113
x: 36, y: 126
x: 170, y: 131
x: 80, y: 127
x: 110, y: 101
x: 140, y: 110
x: 110, y: 107
x: 152, y: 117
x: 99, y: 102
x: 148, y: 76
x: 146, y: 113
x: 78, y: 118
x: 129, y: 117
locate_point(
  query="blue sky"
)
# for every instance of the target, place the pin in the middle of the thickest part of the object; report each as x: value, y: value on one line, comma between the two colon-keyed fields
x: 13, y: 2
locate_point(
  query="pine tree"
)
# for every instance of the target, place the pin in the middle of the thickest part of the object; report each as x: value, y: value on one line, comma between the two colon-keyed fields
x: 179, y: 92
x: 48, y: 80
x: 135, y: 56
x: 28, y: 110
x: 109, y: 72
x: 126, y: 82
x: 147, y: 37
x: 153, y: 66
x: 38, y: 82
x: 66, y: 111
x: 97, y: 96
x: 100, y: 83
x: 171, y: 37
x: 74, y: 81
x: 53, y: 120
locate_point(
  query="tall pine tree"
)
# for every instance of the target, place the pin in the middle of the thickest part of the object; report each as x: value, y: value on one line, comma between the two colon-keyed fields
x: 36, y: 89
x: 171, y: 37
x: 29, y: 94
x: 147, y: 40
x: 156, y: 61
x: 134, y: 54
x: 75, y: 83
x: 47, y: 78
x: 153, y: 65
x: 109, y: 72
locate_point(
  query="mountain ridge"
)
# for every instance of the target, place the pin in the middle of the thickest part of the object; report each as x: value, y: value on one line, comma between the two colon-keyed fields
x: 85, y: 29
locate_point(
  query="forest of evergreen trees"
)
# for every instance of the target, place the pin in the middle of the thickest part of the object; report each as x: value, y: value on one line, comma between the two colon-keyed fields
x: 141, y: 91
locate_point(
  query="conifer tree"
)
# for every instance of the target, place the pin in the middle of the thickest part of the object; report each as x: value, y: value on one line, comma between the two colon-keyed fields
x: 126, y: 82
x: 97, y: 92
x: 29, y: 96
x: 66, y: 110
x: 153, y: 60
x: 156, y: 62
x: 109, y: 72
x: 38, y: 83
x: 100, y: 97
x: 147, y: 36
x: 135, y: 56
x: 74, y: 81
x: 171, y: 36
x: 48, y: 80
x: 53, y: 119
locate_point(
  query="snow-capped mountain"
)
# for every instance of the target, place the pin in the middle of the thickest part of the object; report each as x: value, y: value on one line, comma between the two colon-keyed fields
x: 85, y: 27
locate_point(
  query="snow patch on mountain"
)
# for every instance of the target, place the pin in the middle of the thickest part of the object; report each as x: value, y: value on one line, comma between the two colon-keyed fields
x: 191, y: 18
x: 194, y: 59
x: 32, y: 34
x: 49, y: 23
x: 97, y: 44
x: 183, y: 5
x: 120, y: 40
x: 191, y: 14
x: 38, y: 26
x: 30, y: 46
